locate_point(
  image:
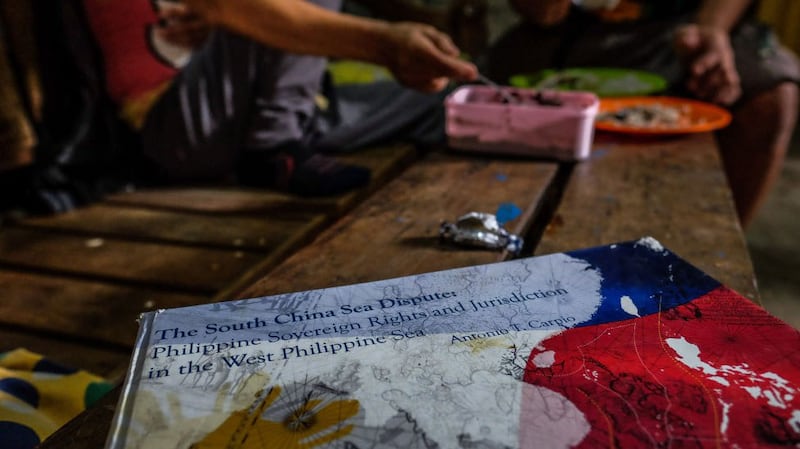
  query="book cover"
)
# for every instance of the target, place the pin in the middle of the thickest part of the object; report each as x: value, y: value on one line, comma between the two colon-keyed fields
x: 625, y: 345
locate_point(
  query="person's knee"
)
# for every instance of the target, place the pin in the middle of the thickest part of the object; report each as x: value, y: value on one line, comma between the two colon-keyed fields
x: 787, y: 99
x: 775, y: 107
x: 771, y: 115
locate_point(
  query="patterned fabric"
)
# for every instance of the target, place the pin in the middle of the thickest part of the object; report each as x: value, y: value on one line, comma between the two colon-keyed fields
x: 38, y: 396
x: 138, y: 65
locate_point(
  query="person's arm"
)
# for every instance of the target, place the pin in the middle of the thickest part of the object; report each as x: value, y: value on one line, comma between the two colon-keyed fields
x: 721, y: 14
x: 542, y: 12
x: 706, y: 47
x: 418, y: 55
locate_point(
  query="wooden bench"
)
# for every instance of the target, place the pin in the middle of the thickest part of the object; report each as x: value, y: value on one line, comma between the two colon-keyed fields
x: 672, y: 189
x: 392, y: 232
x: 80, y: 280
x: 96, y: 269
x: 396, y: 231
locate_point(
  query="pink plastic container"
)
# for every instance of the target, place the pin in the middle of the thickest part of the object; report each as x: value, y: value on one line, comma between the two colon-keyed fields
x: 548, y: 124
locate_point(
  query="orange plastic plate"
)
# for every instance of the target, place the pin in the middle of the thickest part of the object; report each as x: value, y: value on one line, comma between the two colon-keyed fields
x: 702, y: 117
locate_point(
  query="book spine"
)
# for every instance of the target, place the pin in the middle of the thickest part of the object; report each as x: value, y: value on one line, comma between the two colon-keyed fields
x: 119, y: 426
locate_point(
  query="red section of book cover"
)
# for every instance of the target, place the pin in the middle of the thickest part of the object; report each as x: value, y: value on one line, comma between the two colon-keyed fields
x: 716, y: 372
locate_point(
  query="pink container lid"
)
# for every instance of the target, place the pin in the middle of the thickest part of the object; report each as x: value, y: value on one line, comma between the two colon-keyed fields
x: 551, y: 124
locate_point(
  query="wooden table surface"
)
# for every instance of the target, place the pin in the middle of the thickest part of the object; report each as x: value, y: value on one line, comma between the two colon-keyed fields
x: 672, y: 189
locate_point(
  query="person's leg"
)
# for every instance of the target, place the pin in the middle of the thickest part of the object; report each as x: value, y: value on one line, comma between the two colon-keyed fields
x: 283, y: 105
x: 754, y: 146
x: 362, y: 115
x: 239, y: 107
x: 277, y: 150
x: 195, y: 129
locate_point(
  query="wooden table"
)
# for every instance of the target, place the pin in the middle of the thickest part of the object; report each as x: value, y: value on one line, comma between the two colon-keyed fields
x: 671, y: 189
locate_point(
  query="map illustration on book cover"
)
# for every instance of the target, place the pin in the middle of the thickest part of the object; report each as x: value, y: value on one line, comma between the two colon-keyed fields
x: 625, y: 345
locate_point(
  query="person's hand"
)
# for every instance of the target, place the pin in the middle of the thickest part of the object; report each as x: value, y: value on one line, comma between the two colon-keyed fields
x: 708, y: 55
x: 423, y: 58
x: 181, y: 26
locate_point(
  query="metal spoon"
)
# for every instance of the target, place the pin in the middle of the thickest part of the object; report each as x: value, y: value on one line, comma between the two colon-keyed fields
x: 507, y: 98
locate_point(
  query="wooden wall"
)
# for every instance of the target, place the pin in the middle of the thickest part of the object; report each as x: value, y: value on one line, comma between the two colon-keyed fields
x: 784, y: 16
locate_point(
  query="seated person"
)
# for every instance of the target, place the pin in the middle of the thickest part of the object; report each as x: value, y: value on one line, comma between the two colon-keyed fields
x: 221, y: 88
x: 713, y: 50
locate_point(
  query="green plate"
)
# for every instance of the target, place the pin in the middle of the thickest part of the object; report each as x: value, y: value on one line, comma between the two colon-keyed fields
x: 605, y: 82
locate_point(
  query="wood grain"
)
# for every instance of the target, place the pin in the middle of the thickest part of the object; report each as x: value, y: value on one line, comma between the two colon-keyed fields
x: 384, y: 163
x: 198, y: 270
x: 261, y: 233
x: 395, y: 232
x: 93, y: 311
x: 671, y: 189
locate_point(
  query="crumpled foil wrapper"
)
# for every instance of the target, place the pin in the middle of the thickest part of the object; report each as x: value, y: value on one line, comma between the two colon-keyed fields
x: 481, y: 230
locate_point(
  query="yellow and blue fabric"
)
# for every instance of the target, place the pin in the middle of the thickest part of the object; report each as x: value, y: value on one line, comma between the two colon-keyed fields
x: 37, y: 396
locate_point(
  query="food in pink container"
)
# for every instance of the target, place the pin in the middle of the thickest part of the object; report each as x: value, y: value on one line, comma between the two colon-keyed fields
x: 506, y: 120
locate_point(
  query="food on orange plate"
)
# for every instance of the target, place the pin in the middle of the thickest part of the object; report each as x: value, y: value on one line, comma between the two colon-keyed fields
x: 655, y: 115
x: 659, y: 115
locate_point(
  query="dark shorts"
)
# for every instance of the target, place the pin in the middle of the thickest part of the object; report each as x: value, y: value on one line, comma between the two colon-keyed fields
x: 236, y: 95
x: 581, y: 41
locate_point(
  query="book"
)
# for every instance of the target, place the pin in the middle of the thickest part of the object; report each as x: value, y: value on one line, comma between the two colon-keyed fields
x: 625, y: 345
